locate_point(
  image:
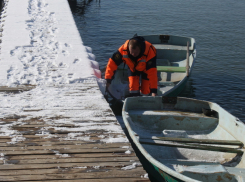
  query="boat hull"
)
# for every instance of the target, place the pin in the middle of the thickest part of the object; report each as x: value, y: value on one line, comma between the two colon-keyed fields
x: 166, y: 177
x: 142, y: 114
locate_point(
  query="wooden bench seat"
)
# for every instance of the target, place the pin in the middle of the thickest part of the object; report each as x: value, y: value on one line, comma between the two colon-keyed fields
x: 170, y: 47
x: 171, y: 69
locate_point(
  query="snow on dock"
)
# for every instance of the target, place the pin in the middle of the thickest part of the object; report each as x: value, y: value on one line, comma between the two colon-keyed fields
x: 54, y: 121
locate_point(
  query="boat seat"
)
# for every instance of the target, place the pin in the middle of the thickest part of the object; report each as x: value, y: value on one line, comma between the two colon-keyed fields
x: 171, y: 47
x: 163, y: 83
x: 173, y: 113
x: 175, y: 119
x: 185, y: 162
x: 218, y: 168
x: 171, y: 69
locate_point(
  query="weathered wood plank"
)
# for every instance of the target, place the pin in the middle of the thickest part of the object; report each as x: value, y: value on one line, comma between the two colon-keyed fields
x: 36, y: 131
x: 13, y: 118
x: 88, y: 155
x: 65, y: 170
x: 69, y: 160
x: 68, y: 146
x: 81, y: 148
x: 64, y: 151
x: 27, y: 144
x: 59, y: 136
x: 63, y: 165
x: 62, y: 131
x: 93, y: 138
x: 106, y: 179
x: 54, y: 138
x: 20, y: 88
x: 137, y: 173
x: 36, y: 125
x: 92, y: 133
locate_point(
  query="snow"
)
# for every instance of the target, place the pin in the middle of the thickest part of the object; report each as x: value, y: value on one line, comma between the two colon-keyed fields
x: 2, y: 156
x: 132, y: 166
x: 51, y: 53
x: 41, y: 46
x: 83, y: 167
x: 118, y: 138
x: 145, y: 176
x: 125, y: 147
x: 61, y: 155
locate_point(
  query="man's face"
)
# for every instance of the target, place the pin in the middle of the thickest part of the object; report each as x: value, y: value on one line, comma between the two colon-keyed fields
x: 134, y: 51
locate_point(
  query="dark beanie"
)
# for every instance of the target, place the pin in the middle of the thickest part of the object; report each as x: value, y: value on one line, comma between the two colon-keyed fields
x: 140, y: 40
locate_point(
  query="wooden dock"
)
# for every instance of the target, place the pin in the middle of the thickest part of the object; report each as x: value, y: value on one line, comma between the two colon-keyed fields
x: 55, y: 124
x: 41, y: 148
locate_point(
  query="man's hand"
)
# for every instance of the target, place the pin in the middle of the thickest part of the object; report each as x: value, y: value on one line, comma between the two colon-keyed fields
x: 153, y: 94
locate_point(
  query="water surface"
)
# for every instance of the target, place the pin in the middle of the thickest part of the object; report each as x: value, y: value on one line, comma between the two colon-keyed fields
x: 217, y: 26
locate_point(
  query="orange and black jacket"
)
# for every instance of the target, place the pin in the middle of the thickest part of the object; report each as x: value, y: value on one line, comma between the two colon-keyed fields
x: 145, y: 62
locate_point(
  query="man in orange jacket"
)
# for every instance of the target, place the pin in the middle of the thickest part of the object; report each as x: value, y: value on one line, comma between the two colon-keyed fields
x: 140, y: 57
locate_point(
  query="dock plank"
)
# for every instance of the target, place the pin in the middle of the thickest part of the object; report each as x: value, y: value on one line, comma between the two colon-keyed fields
x: 90, y: 155
x: 64, y: 165
x: 61, y: 170
x: 63, y: 151
x: 94, y: 177
x: 47, y: 144
x: 107, y: 180
x: 69, y: 159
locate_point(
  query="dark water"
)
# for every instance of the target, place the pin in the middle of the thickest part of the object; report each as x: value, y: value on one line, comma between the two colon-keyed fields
x: 218, y: 27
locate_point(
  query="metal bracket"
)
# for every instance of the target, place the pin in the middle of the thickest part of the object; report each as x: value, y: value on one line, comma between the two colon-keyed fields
x: 164, y: 38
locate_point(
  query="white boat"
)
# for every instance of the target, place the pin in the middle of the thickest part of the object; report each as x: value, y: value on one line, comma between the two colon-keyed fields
x: 183, y: 139
x: 175, y: 59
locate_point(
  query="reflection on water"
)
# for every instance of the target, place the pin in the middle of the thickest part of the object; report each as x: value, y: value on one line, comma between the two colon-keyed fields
x: 189, y: 90
x: 79, y: 7
x: 218, y: 74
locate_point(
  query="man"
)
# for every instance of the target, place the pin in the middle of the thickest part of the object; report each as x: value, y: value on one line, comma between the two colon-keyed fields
x: 140, y: 57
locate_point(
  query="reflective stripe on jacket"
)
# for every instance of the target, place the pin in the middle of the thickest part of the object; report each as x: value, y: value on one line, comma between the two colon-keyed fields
x: 146, y: 63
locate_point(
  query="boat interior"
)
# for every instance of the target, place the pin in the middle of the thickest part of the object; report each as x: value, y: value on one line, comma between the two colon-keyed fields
x: 173, y: 62
x: 194, y: 138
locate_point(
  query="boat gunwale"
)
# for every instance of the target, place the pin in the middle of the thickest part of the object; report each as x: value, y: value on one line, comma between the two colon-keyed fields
x: 192, y: 45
